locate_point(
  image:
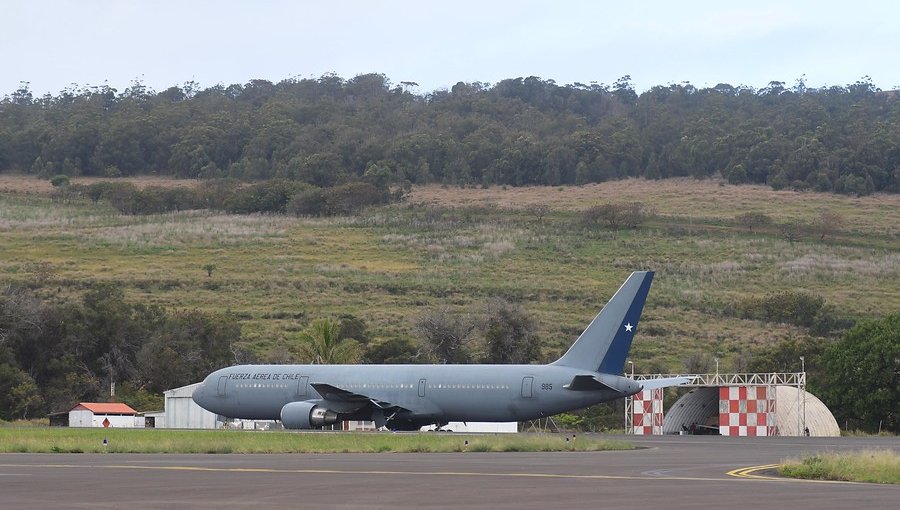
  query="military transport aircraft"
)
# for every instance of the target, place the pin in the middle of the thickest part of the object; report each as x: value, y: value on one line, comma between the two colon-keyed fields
x: 407, y: 397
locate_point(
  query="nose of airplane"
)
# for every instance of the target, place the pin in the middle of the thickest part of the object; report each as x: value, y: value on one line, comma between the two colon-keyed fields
x: 200, y: 394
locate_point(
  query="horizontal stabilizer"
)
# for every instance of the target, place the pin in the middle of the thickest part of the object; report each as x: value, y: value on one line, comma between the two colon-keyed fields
x: 665, y: 382
x: 586, y: 383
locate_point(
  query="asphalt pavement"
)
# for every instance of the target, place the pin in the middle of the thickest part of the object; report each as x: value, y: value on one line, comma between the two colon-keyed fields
x: 677, y: 472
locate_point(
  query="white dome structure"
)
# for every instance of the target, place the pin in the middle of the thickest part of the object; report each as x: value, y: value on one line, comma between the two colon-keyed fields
x: 789, y: 406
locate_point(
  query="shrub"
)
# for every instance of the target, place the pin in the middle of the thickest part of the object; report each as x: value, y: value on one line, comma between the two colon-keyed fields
x: 345, y: 199
x: 793, y: 307
x: 310, y: 202
x: 59, y: 180
x: 267, y: 196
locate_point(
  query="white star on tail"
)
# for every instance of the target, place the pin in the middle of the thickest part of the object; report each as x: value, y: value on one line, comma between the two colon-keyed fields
x: 629, y: 327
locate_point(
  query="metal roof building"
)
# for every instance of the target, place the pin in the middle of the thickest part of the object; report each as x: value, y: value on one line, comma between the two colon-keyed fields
x: 183, y: 413
x: 104, y: 414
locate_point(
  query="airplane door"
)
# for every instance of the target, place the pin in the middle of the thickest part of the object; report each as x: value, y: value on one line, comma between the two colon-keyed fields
x: 421, y: 387
x: 301, y: 386
x: 527, y: 382
x: 220, y: 389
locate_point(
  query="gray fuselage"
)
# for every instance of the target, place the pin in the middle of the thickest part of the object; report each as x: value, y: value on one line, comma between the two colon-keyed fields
x: 427, y: 393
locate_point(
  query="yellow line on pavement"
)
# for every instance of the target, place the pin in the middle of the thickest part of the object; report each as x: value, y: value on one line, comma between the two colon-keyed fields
x: 750, y: 473
x: 744, y: 473
x: 363, y: 472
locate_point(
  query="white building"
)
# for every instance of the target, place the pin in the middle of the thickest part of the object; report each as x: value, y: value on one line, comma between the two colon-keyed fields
x: 182, y: 412
x: 508, y: 427
x: 109, y: 415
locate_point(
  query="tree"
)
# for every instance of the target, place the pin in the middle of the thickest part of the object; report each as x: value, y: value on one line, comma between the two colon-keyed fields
x: 320, y: 344
x: 209, y: 268
x: 352, y: 328
x: 539, y: 211
x: 614, y: 216
x: 752, y: 219
x: 395, y: 350
x: 827, y: 224
x: 509, y: 334
x: 861, y: 376
x: 784, y: 356
x: 184, y: 347
x: 19, y: 395
x: 698, y: 362
x: 446, y: 336
x: 792, y: 232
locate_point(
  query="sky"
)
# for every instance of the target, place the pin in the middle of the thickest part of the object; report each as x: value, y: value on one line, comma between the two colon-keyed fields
x: 53, y: 44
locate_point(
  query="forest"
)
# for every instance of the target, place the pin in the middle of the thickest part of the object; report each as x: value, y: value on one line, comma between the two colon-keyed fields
x: 522, y: 131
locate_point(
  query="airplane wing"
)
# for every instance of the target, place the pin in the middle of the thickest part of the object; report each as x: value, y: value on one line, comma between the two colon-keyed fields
x: 333, y: 393
x: 330, y: 392
x: 664, y: 382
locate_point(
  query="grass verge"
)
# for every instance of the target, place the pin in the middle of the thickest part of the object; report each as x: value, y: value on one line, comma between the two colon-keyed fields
x: 68, y: 440
x: 875, y: 466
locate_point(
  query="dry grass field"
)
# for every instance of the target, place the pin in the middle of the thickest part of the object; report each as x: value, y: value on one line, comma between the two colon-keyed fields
x: 681, y: 198
x: 454, y: 247
x: 15, y: 183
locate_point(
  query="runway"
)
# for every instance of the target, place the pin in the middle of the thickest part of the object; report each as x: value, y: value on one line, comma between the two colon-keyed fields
x: 678, y: 472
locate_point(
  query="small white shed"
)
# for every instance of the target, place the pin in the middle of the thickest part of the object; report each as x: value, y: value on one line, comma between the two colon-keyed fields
x: 104, y: 414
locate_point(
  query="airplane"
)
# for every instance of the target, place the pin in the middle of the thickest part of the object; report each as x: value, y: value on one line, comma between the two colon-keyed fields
x: 407, y: 397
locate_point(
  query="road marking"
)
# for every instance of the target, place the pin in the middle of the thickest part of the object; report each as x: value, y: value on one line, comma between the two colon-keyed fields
x: 736, y: 475
x: 364, y: 472
x: 750, y: 473
x: 361, y: 472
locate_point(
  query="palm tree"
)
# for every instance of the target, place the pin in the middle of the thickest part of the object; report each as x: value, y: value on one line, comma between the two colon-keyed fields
x: 320, y: 344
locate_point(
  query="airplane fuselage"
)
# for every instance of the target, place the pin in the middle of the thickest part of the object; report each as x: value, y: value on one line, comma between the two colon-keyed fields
x: 427, y: 393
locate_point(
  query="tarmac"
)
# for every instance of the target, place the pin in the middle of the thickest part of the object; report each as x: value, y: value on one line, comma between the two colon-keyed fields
x: 680, y: 472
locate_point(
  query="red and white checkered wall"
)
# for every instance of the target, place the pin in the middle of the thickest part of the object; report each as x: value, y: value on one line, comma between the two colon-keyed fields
x: 746, y: 411
x: 648, y: 412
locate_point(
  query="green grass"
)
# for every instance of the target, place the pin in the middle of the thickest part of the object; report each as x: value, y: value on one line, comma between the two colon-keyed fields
x: 391, y: 264
x: 69, y: 440
x: 875, y: 466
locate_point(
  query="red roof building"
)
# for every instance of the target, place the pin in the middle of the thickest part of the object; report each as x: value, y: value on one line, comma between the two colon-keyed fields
x: 100, y: 414
x: 109, y: 408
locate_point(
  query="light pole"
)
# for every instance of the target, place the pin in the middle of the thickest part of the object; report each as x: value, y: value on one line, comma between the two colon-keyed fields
x: 629, y: 400
x: 803, y: 389
x: 717, y: 370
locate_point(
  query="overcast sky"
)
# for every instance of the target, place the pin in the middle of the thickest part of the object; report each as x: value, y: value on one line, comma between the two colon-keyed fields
x: 54, y: 43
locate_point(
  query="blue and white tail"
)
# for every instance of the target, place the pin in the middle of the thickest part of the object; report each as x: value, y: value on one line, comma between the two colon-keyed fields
x: 604, y: 344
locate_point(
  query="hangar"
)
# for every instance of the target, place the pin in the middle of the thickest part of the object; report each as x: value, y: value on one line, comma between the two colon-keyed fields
x: 775, y: 404
x: 181, y: 412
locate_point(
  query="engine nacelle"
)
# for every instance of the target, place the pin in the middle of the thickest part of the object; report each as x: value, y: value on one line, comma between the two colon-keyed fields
x: 306, y: 415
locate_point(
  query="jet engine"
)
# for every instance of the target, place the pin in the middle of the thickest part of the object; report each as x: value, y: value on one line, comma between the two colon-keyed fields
x: 306, y: 415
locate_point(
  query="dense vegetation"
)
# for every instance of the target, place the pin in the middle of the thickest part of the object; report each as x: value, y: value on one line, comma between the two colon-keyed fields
x: 53, y: 354
x: 328, y: 131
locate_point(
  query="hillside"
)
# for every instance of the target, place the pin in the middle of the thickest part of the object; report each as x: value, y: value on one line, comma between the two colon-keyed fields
x: 457, y: 247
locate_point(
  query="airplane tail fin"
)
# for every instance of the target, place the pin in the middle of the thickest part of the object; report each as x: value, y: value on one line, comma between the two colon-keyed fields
x: 604, y: 344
